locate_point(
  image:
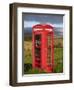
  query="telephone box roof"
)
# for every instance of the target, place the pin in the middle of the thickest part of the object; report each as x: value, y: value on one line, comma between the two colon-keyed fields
x: 43, y: 25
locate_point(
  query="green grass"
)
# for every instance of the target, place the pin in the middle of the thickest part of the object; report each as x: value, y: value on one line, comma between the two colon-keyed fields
x: 58, y: 60
x: 28, y: 50
x: 34, y: 71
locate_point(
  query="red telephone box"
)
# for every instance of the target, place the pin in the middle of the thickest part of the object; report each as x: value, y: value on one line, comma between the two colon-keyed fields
x: 43, y: 48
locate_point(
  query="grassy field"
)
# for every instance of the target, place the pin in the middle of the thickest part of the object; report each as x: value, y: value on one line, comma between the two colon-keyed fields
x: 58, y: 57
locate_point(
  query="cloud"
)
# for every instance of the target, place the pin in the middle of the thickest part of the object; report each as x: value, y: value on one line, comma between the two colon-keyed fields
x: 28, y: 24
x: 58, y: 25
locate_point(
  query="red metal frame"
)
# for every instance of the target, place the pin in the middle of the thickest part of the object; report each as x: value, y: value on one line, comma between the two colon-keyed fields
x: 44, y: 31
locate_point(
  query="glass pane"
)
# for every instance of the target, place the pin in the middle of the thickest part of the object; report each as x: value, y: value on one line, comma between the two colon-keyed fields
x: 38, y: 50
x: 37, y: 40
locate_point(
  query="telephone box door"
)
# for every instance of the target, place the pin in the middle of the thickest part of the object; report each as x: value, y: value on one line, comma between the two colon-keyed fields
x: 50, y: 52
x: 37, y: 50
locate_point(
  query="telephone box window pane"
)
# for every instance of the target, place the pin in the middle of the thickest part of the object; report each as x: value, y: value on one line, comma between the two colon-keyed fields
x: 37, y: 40
x: 37, y: 50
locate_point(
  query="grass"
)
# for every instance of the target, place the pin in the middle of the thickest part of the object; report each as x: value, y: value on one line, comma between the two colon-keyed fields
x: 34, y: 71
x: 58, y: 57
x: 28, y: 50
x: 58, y: 60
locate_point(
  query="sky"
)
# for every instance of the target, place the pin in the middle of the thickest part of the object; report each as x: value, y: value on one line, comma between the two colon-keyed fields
x: 29, y: 20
